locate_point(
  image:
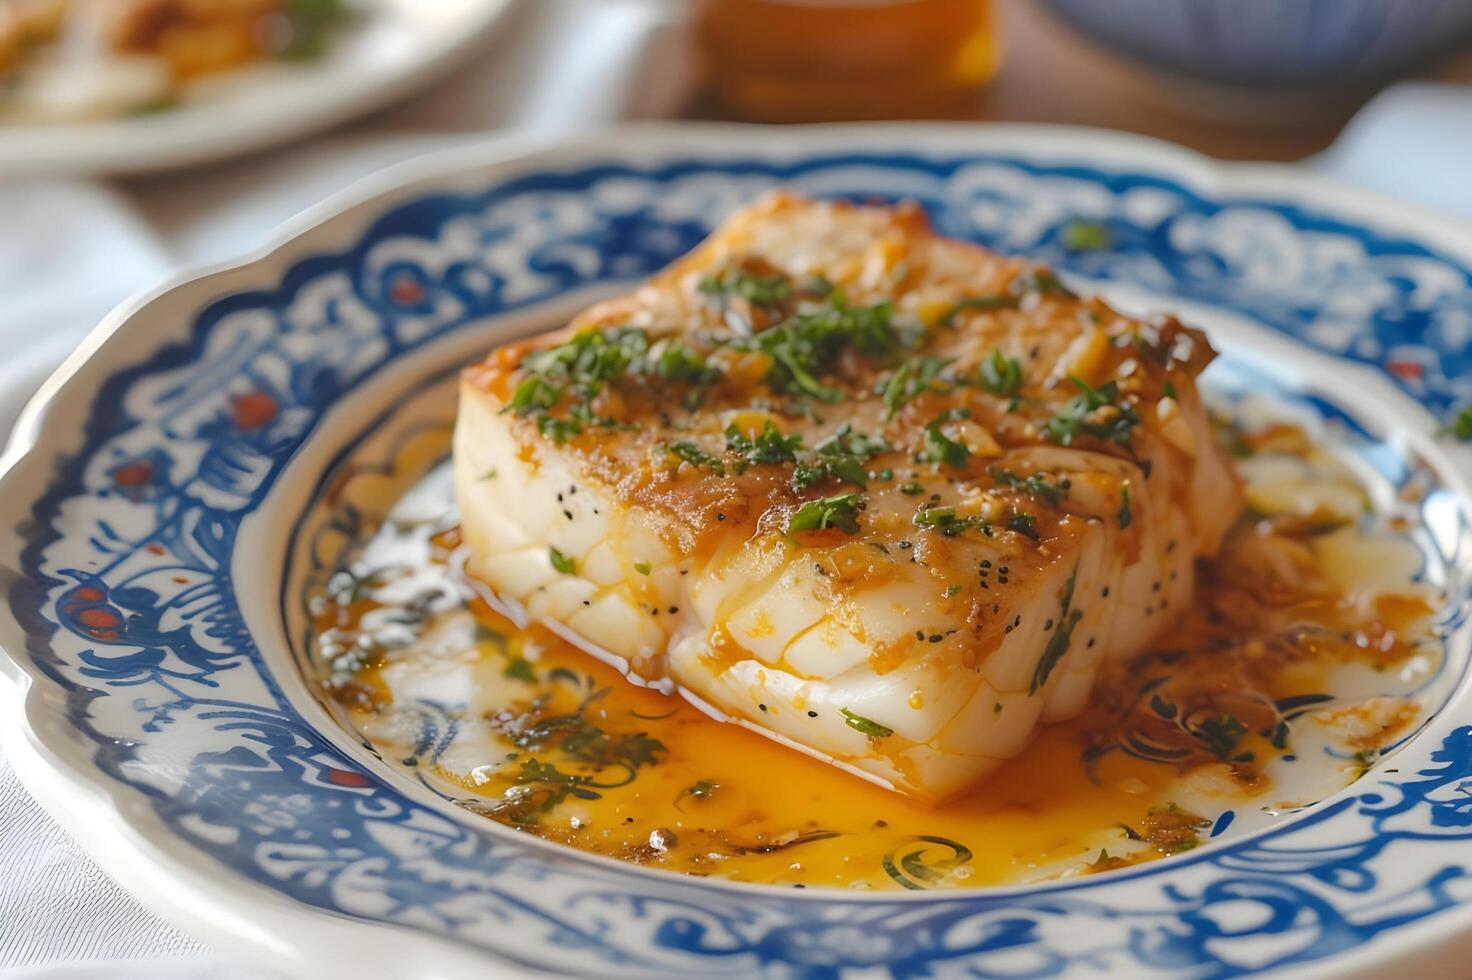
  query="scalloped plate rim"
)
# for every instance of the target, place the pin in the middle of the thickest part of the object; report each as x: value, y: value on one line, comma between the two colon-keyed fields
x: 117, y: 836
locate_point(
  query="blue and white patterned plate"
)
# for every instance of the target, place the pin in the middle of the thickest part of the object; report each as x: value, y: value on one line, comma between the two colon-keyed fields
x: 151, y: 493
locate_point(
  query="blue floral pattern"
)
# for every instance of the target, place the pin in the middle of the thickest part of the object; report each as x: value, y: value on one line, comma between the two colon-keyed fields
x: 126, y: 587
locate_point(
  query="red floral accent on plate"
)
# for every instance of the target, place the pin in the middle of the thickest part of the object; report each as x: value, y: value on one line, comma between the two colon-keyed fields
x: 1406, y: 370
x: 253, y: 410
x: 405, y: 291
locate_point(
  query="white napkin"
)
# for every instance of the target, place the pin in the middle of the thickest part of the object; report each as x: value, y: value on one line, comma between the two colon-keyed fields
x: 57, y: 907
x: 69, y: 252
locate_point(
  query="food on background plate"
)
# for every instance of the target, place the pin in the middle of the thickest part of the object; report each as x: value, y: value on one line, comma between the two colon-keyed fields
x: 82, y: 59
x: 884, y: 497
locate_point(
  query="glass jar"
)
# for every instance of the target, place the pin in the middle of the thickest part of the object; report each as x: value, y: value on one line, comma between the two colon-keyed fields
x: 815, y: 60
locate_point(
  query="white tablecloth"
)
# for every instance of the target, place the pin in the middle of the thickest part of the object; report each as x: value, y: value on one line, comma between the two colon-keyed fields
x: 69, y: 252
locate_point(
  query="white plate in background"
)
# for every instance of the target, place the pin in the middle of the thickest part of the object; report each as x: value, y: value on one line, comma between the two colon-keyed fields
x: 394, y: 47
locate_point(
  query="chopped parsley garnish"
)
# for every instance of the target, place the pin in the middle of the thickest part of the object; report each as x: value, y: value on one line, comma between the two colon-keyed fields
x: 1220, y: 736
x: 1461, y: 426
x: 805, y: 346
x: 938, y: 447
x: 643, y: 567
x: 1032, y: 281
x: 311, y: 24
x: 846, y: 440
x: 583, y: 743
x: 1036, y: 485
x: 953, y: 589
x: 1126, y: 515
x: 1068, y: 618
x: 559, y: 430
x: 985, y: 303
x: 864, y: 726
x: 914, y: 377
x: 1041, y: 281
x: 533, y: 394
x: 1001, y: 375
x: 1364, y: 760
x: 818, y: 286
x: 1086, y: 236
x: 1024, y: 524
x: 758, y: 289
x: 678, y: 362
x: 589, y: 360
x: 585, y: 364
x: 1096, y: 412
x: 701, y: 789
x: 944, y: 520
x: 840, y: 457
x: 556, y: 785
x: 911, y: 489
x: 688, y: 452
x: 840, y: 512
x: 561, y: 562
x: 520, y: 669
x: 770, y: 445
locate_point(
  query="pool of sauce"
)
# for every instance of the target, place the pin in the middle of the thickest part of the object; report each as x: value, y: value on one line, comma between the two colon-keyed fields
x: 1284, y: 682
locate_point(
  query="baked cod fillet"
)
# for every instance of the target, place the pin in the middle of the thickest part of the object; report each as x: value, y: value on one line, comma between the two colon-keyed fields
x: 882, y: 496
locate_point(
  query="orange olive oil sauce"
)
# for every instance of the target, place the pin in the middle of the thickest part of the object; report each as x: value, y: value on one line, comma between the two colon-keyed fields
x: 1292, y: 672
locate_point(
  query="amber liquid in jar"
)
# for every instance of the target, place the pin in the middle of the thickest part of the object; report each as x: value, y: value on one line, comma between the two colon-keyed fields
x: 816, y: 60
